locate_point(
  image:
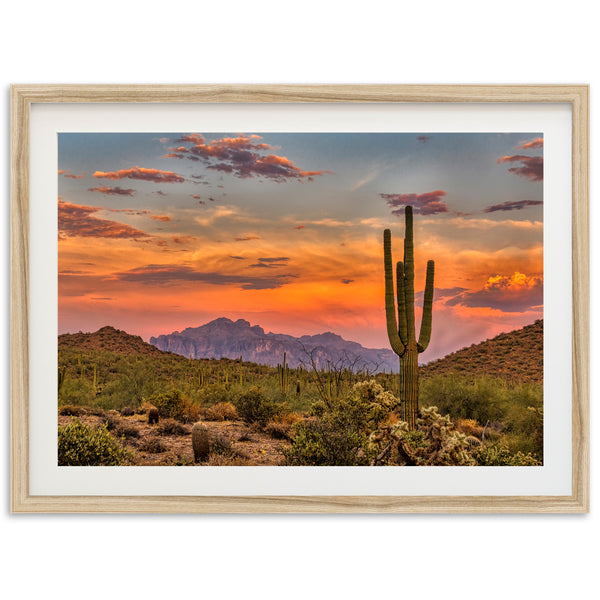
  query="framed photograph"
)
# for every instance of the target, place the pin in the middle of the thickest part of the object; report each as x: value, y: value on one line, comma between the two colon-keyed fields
x: 300, y: 298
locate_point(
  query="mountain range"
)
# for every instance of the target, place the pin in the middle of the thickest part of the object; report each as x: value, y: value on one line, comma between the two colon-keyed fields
x: 517, y: 355
x: 232, y: 339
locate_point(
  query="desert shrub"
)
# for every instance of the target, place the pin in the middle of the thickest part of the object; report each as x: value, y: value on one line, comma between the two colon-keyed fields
x: 153, y: 445
x: 469, y: 427
x: 222, y: 454
x: 70, y: 410
x: 111, y: 420
x: 500, y: 455
x: 143, y: 408
x: 96, y: 411
x: 127, y: 411
x: 81, y: 445
x: 174, y: 405
x: 78, y: 392
x: 254, y: 407
x: 280, y: 426
x: 128, y: 430
x: 487, y: 400
x: 338, y: 432
x: 171, y: 427
x: 483, y: 399
x: 222, y: 411
x: 214, y: 394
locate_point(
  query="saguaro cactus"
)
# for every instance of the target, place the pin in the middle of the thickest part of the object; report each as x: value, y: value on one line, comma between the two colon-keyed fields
x: 401, y: 333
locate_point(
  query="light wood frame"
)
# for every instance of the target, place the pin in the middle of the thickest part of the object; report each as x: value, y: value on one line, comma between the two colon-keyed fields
x: 23, y: 96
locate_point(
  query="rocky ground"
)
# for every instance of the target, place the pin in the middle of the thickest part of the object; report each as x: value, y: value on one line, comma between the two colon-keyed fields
x: 169, y: 443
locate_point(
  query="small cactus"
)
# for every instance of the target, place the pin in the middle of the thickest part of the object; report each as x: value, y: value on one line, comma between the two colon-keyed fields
x: 200, y: 443
x: 153, y: 416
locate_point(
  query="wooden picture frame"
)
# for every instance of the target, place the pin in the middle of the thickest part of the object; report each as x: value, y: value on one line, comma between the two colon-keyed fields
x: 24, y: 96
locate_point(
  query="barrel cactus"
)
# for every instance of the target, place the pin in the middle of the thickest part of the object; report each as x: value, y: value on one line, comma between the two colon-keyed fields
x: 153, y: 416
x: 401, y: 332
x: 200, y: 443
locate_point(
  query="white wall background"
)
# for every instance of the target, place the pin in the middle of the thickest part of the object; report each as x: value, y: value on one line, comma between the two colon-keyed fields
x: 464, y: 41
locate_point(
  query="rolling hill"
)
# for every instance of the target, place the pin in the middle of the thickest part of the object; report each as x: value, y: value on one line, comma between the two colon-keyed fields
x: 517, y: 355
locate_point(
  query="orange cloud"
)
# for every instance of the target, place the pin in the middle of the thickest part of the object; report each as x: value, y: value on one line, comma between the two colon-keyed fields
x: 166, y: 274
x: 508, y: 293
x: 129, y: 211
x: 112, y: 191
x: 70, y: 175
x: 242, y: 156
x: 79, y: 220
x: 247, y: 238
x: 155, y: 175
x: 182, y: 239
x: 534, y: 144
x: 429, y: 203
x: 163, y: 218
x: 531, y: 167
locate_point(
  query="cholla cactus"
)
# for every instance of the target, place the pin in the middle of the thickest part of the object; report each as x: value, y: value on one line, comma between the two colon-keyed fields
x: 380, y: 401
x: 435, y: 442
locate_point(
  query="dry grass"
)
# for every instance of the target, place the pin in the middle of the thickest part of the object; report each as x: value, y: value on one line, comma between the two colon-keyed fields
x: 126, y: 429
x: 222, y: 411
x: 143, y: 408
x: 280, y: 426
x: 469, y: 427
x: 172, y: 427
x: 153, y: 445
x: 72, y: 410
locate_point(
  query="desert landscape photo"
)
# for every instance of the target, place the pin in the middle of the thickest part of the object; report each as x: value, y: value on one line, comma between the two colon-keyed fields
x: 300, y: 299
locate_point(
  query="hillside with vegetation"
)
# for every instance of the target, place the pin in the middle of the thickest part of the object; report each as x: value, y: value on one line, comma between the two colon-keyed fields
x: 514, y: 356
x: 111, y: 384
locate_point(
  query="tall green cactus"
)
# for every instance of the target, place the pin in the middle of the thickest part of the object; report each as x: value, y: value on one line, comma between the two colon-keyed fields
x: 401, y: 333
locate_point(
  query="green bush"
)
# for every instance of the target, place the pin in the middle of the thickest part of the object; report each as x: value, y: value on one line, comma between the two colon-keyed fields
x: 173, y: 405
x: 254, y: 407
x: 517, y: 407
x: 482, y: 399
x: 338, y: 432
x: 77, y: 392
x: 81, y: 445
x: 214, y: 394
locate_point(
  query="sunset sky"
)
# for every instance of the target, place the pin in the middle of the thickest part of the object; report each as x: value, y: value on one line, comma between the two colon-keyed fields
x: 163, y: 231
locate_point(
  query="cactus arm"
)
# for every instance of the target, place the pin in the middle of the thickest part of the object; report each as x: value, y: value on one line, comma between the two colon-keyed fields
x: 409, y: 277
x: 425, y: 334
x: 390, y: 307
x: 401, y: 305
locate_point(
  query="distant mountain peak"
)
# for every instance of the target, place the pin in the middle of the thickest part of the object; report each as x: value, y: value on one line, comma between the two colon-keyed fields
x: 223, y: 337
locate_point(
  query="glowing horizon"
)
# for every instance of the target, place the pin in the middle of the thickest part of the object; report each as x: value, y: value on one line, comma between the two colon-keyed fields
x: 163, y: 231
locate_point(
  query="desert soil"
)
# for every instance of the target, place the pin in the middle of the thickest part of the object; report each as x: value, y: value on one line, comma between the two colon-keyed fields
x: 245, y: 444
